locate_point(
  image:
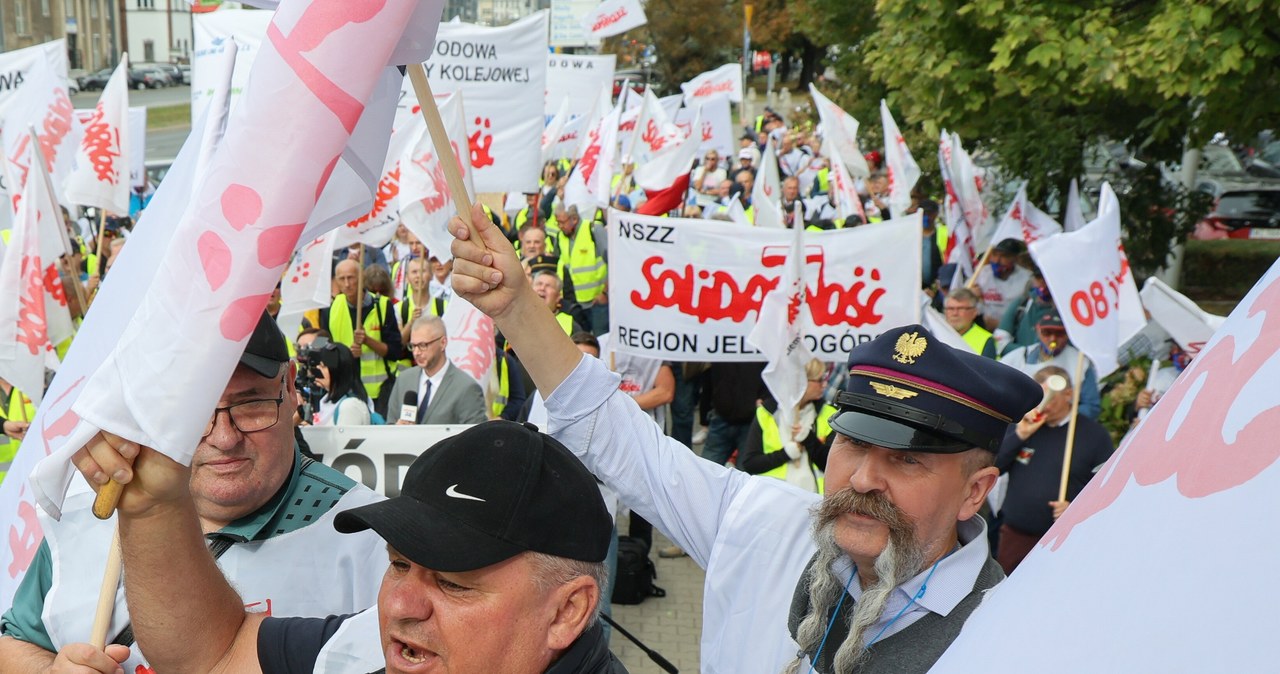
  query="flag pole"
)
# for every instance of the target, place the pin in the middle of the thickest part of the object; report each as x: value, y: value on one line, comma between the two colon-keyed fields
x: 1071, y: 427
x: 440, y: 139
x: 360, y: 292
x: 107, y: 595
x: 973, y: 280
x: 64, y: 260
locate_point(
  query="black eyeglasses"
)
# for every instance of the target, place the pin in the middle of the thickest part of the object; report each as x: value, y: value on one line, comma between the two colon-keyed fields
x: 250, y: 416
x: 422, y: 346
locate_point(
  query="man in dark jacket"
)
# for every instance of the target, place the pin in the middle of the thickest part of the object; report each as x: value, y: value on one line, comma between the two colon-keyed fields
x: 735, y: 389
x: 496, y: 541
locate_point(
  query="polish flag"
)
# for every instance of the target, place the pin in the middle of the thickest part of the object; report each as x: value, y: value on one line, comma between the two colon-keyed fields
x: 662, y: 169
x: 664, y: 201
x: 101, y: 175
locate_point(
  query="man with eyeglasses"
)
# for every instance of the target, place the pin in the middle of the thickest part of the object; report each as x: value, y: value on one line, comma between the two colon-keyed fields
x: 266, y: 513
x: 443, y: 393
x: 962, y: 308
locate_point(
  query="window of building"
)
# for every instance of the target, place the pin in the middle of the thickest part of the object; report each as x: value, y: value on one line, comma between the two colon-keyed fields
x: 148, y: 51
x: 93, y: 9
x: 44, y: 8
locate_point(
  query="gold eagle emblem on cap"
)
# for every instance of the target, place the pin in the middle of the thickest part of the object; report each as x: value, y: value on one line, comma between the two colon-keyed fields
x: 891, y: 391
x: 909, y: 347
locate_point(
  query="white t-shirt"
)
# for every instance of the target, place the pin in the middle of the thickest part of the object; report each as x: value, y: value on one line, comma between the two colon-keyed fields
x: 998, y: 293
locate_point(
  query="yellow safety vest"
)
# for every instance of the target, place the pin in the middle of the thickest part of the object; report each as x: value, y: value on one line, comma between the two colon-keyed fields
x: 374, y: 370
x: 587, y: 269
x: 976, y: 337
x: 824, y: 180
x: 941, y: 231
x: 18, y: 409
x: 504, y: 388
x: 771, y: 441
x: 566, y: 322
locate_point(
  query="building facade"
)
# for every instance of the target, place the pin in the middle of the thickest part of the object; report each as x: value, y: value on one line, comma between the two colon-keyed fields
x: 89, y: 27
x: 158, y: 31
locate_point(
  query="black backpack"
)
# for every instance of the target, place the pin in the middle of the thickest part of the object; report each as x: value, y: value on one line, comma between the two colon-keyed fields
x: 636, y: 573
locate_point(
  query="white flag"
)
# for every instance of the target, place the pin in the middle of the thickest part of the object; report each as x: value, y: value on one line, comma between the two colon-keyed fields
x: 589, y: 184
x: 613, y: 17
x: 662, y: 169
x: 840, y: 131
x: 101, y: 174
x: 1189, y: 325
x: 471, y: 347
x: 325, y: 70
x: 779, y: 332
x: 725, y: 80
x: 848, y: 201
x: 654, y: 133
x: 426, y: 203
x: 551, y: 132
x: 1120, y: 584
x: 1073, y: 219
x: 1088, y: 274
x: 1025, y: 222
x: 44, y: 104
x: 903, y: 170
x: 566, y: 143
x: 33, y: 302
x: 766, y: 193
x: 306, y: 284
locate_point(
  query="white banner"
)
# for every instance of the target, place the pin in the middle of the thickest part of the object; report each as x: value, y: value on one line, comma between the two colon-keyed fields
x: 213, y: 32
x: 715, y: 128
x: 502, y: 73
x: 1120, y: 584
x: 1089, y: 276
x: 16, y: 66
x: 45, y: 105
x: 690, y: 290
x: 376, y: 456
x: 725, y: 80
x: 614, y: 17
x: 577, y: 79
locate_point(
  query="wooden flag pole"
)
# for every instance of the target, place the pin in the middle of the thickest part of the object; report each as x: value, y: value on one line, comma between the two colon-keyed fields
x: 107, y: 595
x: 360, y: 292
x: 1071, y: 427
x: 102, y: 235
x: 978, y: 268
x: 62, y: 226
x: 440, y: 139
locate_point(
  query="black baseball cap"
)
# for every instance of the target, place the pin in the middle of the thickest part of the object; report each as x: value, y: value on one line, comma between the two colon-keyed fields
x: 908, y: 390
x: 486, y: 495
x: 267, y: 349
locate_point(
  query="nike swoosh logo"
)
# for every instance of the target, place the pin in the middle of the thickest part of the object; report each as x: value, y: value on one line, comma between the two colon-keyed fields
x: 454, y: 493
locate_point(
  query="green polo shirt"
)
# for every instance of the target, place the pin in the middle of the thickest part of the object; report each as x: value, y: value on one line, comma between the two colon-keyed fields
x: 311, y: 491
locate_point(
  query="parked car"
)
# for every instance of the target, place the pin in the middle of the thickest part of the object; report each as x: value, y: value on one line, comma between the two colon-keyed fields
x: 147, y: 78
x: 73, y: 87
x: 173, y: 72
x: 186, y: 73
x: 98, y: 80
x: 638, y: 79
x: 1252, y: 213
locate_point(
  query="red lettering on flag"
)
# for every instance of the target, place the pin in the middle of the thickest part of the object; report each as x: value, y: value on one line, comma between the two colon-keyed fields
x: 26, y: 542
x: 479, y: 143
x: 103, y: 143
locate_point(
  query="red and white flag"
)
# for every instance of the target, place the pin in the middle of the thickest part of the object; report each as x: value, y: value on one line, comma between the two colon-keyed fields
x: 16, y: 66
x: 780, y: 328
x: 848, y: 201
x: 766, y: 193
x: 33, y: 302
x: 725, y: 80
x: 568, y: 140
x: 425, y: 201
x: 654, y: 133
x: 551, y: 132
x: 589, y: 185
x: 307, y: 281
x: 661, y: 169
x: 1025, y: 222
x: 1073, y: 218
x: 613, y: 17
x: 326, y: 67
x: 662, y: 202
x: 840, y: 135
x: 1088, y: 273
x: 43, y: 104
x: 903, y: 169
x: 376, y: 227
x: 101, y: 174
x: 1181, y: 503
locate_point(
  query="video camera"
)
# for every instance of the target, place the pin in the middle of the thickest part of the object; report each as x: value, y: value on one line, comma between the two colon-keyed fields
x: 308, y: 371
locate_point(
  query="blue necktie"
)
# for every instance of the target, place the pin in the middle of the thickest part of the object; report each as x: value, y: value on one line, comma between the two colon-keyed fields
x: 422, y: 404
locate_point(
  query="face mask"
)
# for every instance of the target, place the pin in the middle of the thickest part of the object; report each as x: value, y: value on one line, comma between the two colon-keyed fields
x: 1181, y: 360
x: 1041, y: 294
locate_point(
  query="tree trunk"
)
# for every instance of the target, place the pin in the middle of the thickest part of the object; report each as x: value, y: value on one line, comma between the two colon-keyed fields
x: 810, y: 62
x: 784, y: 66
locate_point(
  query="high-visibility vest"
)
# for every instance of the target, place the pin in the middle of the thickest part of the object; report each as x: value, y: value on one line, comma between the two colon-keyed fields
x: 587, y: 269
x: 824, y: 180
x: 18, y: 408
x: 566, y: 322
x: 374, y: 370
x: 771, y: 441
x: 504, y: 387
x: 976, y: 337
x: 941, y: 231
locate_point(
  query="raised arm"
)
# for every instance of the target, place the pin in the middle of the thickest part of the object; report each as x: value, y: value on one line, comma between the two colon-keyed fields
x: 487, y: 273
x: 185, y: 615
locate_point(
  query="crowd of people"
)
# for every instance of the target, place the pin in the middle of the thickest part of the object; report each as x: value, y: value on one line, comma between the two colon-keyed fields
x: 856, y: 536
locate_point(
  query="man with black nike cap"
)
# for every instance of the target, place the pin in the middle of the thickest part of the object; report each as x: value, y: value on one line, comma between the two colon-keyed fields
x: 262, y: 508
x: 497, y: 543
x: 911, y: 466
